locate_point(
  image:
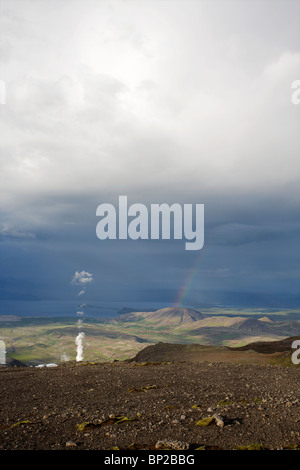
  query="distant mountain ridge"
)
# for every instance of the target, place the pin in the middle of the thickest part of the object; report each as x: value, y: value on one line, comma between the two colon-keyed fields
x: 165, y: 316
x: 194, y: 326
x: 249, y: 325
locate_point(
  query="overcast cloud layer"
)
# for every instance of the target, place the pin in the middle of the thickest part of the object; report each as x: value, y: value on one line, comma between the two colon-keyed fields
x: 163, y: 101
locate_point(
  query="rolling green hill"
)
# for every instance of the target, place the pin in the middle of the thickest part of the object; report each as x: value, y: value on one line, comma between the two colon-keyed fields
x: 44, y: 340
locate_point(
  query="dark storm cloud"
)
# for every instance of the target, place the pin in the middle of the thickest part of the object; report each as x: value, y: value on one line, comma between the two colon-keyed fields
x: 161, y: 103
x: 240, y: 234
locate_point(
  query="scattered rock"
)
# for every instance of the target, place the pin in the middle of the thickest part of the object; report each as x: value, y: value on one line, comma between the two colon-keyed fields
x: 57, y: 399
x: 175, y: 445
x: 71, y: 444
x: 219, y: 420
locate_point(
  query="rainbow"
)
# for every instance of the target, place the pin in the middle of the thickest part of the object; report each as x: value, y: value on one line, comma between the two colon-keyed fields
x: 187, y: 285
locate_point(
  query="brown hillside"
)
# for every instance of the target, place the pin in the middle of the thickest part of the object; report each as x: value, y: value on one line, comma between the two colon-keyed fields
x: 165, y: 316
x: 269, y: 347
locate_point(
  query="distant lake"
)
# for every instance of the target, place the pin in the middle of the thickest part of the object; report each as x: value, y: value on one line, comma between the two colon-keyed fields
x: 63, y: 308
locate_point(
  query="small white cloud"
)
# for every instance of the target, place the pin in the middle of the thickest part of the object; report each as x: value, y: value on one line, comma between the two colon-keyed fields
x: 12, y: 232
x: 82, y: 278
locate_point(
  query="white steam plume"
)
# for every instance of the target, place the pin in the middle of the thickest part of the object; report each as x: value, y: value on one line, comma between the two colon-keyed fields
x: 81, y: 279
x: 79, y: 344
x: 64, y: 357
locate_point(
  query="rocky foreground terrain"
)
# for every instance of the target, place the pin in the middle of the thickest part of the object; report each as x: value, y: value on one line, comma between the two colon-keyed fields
x: 150, y: 405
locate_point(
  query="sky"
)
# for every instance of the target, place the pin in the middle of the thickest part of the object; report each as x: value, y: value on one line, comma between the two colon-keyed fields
x: 164, y: 101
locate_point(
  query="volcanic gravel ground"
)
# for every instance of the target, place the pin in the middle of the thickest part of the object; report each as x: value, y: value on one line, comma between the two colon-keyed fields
x: 78, y: 406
